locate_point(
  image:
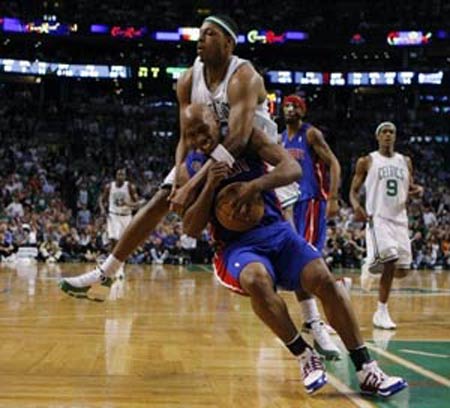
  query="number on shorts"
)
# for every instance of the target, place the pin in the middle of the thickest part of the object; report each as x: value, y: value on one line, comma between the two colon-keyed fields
x: 391, y: 187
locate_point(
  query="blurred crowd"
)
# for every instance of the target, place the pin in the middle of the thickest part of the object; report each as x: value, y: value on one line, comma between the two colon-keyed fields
x: 56, y: 156
x: 312, y: 16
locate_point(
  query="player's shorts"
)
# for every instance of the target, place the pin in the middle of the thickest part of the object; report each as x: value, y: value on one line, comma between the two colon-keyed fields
x: 311, y: 221
x: 288, y: 195
x: 387, y: 241
x: 283, y: 253
x: 116, y: 224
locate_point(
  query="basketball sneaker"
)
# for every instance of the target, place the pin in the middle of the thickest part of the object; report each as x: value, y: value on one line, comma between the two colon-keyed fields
x: 306, y: 328
x: 323, y: 343
x: 79, y: 286
x: 322, y: 340
x: 329, y: 329
x: 382, y: 320
x: 373, y: 381
x: 312, y: 371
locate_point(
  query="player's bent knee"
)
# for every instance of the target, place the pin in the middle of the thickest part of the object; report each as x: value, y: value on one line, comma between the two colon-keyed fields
x: 317, y: 279
x: 255, y: 279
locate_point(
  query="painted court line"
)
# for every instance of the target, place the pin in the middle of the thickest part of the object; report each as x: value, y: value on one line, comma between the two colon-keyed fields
x: 414, y: 367
x: 424, y: 353
x: 348, y: 392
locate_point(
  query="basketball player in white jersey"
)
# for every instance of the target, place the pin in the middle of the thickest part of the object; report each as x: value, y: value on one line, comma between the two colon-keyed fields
x: 388, y: 180
x: 230, y: 86
x: 117, y: 201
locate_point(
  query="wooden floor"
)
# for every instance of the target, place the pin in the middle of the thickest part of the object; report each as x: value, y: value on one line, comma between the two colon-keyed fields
x: 172, y: 337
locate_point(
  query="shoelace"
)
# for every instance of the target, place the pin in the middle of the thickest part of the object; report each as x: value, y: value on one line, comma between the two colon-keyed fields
x: 374, y: 378
x: 311, y: 364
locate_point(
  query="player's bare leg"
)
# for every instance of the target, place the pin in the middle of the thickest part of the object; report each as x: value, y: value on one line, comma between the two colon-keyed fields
x: 272, y: 310
x: 317, y: 280
x: 382, y: 318
x: 142, y: 224
x: 313, y: 324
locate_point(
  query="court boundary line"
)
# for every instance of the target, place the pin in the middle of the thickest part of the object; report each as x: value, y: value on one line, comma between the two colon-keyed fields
x: 411, y: 366
x: 348, y: 393
x: 424, y: 353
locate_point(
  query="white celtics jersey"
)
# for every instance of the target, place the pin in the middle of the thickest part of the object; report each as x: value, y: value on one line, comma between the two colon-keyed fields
x: 119, y: 199
x: 387, y: 185
x: 218, y: 100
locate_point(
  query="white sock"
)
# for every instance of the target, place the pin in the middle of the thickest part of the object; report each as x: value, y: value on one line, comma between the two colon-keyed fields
x: 309, y: 310
x: 382, y: 307
x: 111, y: 265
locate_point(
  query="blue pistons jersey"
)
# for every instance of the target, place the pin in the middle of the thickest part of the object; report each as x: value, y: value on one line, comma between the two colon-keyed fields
x: 194, y: 161
x: 272, y: 243
x: 314, y: 182
x: 246, y: 168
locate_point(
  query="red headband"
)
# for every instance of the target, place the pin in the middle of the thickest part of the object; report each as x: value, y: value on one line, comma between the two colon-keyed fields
x: 295, y: 100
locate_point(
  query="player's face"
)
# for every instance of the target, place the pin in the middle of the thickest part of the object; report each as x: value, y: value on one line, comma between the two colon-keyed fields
x: 203, y: 135
x: 386, y: 137
x: 292, y: 113
x: 120, y: 176
x: 213, y: 44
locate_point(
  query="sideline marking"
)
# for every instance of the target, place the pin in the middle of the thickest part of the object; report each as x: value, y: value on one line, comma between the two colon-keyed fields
x: 424, y: 353
x: 414, y: 367
x: 348, y: 392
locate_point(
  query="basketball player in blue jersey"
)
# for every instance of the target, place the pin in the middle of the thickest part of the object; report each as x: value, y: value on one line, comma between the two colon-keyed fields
x: 235, y: 91
x: 271, y: 254
x: 318, y: 199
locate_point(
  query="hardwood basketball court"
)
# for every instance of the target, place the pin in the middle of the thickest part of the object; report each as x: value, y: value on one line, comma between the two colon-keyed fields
x: 173, y: 337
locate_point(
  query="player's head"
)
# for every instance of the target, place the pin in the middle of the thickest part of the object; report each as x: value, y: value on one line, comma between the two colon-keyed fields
x: 202, y: 130
x: 121, y: 175
x: 386, y: 133
x: 218, y: 38
x: 294, y: 108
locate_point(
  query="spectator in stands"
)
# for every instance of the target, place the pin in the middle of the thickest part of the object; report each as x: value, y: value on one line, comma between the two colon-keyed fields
x: 15, y: 208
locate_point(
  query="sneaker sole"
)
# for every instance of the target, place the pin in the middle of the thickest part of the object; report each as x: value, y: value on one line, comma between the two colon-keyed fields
x: 395, y: 389
x: 317, y: 385
x: 384, y: 328
x: 83, y: 293
x: 73, y: 291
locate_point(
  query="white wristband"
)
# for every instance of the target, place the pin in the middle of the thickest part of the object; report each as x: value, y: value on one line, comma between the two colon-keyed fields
x: 221, y: 154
